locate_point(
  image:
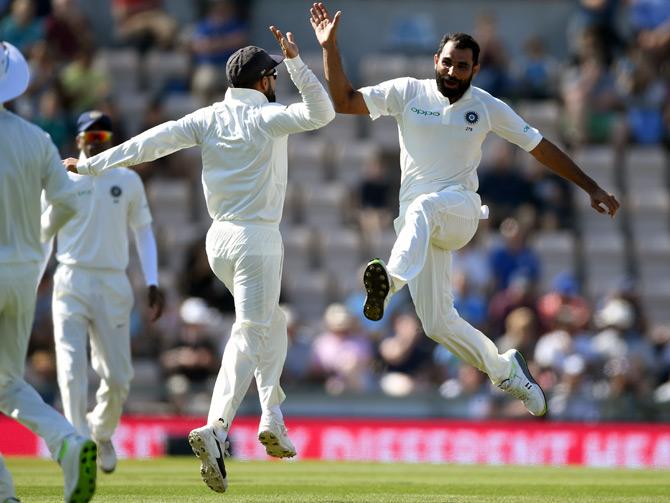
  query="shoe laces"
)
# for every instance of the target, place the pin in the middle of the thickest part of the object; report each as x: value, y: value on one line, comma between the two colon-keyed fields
x: 514, y: 387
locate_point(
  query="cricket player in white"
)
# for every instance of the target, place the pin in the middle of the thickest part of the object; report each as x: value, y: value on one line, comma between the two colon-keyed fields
x: 92, y: 295
x: 442, y: 123
x: 243, y: 140
x: 29, y: 163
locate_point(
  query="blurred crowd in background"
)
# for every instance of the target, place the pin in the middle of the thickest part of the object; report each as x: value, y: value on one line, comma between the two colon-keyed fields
x: 536, y: 277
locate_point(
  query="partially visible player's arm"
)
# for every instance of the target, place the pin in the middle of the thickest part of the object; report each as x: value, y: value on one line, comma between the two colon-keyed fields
x: 145, y: 243
x: 346, y: 99
x: 560, y: 163
x: 150, y: 145
x: 314, y: 111
x: 59, y: 195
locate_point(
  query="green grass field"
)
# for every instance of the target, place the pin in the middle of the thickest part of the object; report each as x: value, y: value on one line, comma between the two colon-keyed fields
x: 178, y: 479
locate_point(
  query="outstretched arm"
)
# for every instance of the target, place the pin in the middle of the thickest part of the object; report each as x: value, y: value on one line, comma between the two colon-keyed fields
x: 346, y: 99
x: 152, y: 144
x: 556, y: 160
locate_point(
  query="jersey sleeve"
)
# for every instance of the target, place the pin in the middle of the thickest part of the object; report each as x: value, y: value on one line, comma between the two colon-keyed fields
x: 139, y: 213
x: 386, y: 98
x: 507, y: 124
x: 314, y: 111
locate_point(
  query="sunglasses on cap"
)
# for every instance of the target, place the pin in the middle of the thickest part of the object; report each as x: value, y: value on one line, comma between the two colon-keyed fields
x: 272, y: 73
x: 96, y: 136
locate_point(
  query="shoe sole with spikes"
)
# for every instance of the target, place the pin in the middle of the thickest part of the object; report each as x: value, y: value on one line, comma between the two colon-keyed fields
x: 376, y: 282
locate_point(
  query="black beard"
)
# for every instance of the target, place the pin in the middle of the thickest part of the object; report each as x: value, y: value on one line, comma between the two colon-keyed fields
x: 271, y: 96
x: 453, y: 93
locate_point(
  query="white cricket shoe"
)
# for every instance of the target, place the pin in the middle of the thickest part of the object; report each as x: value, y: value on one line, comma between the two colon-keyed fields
x: 521, y: 385
x: 274, y: 437
x: 77, y: 460
x: 106, y: 456
x: 210, y: 451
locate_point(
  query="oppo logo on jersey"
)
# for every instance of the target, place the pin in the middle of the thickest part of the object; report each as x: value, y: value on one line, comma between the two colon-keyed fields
x: 418, y: 111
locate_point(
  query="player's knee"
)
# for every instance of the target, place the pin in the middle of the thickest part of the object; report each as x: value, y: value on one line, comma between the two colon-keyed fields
x: 421, y: 204
x: 439, y: 328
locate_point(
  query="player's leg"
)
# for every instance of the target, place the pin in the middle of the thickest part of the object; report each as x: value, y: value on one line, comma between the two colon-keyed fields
x: 70, y: 323
x: 272, y: 432
x: 428, y: 216
x: 7, y: 490
x: 433, y: 299
x: 19, y: 400
x: 111, y: 360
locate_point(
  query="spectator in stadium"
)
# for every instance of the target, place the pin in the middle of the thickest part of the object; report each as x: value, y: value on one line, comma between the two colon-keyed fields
x: 503, y: 186
x: 192, y: 361
x: 243, y: 143
x: 519, y: 293
x: 375, y: 212
x: 563, y: 295
x: 342, y: 354
x: 405, y: 356
x: 84, y: 86
x: 442, y: 123
x: 22, y: 28
x: 589, y: 92
x: 470, y: 302
x: 513, y: 256
x: 521, y: 331
x: 213, y: 41
x: 29, y: 165
x: 553, y: 195
x: 67, y: 29
x: 92, y: 296
x: 494, y: 74
x: 144, y: 24
x: 644, y: 94
x: 573, y: 398
x: 537, y: 72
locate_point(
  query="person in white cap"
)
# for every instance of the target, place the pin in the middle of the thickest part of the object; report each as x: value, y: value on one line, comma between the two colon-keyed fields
x: 243, y: 140
x: 29, y: 164
x: 442, y: 123
x: 92, y: 297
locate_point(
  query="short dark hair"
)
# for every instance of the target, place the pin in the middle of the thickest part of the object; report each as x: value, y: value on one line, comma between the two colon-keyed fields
x: 461, y: 41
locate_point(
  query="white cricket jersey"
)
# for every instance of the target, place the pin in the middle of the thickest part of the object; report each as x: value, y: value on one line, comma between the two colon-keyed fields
x: 243, y: 140
x: 440, y: 142
x: 97, y: 236
x: 29, y: 163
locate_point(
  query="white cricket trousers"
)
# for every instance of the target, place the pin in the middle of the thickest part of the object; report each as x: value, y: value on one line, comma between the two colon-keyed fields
x: 19, y: 400
x: 247, y: 258
x: 95, y: 304
x: 428, y: 229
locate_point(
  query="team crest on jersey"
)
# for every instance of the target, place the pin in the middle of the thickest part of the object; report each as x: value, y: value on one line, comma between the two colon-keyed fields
x: 471, y: 117
x: 115, y: 191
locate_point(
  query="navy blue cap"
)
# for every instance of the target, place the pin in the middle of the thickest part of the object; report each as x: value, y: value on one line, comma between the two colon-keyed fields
x: 249, y: 64
x: 96, y: 118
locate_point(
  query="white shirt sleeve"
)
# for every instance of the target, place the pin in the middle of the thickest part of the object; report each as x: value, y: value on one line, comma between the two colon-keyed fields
x: 139, y: 213
x: 386, y: 98
x: 507, y: 124
x: 150, y: 145
x: 59, y: 198
x: 315, y: 111
x: 145, y: 243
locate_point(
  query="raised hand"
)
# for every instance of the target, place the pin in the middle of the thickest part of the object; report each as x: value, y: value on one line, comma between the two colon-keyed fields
x: 287, y: 43
x: 600, y: 198
x: 325, y: 27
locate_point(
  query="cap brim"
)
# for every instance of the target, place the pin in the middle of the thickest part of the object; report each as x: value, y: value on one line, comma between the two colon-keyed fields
x: 16, y: 80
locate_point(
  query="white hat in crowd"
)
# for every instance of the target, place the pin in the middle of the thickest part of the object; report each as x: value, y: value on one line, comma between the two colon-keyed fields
x: 14, y: 72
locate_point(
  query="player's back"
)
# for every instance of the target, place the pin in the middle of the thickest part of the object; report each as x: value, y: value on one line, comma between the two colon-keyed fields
x: 29, y: 162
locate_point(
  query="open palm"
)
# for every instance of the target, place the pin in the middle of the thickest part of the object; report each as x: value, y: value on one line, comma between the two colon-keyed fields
x: 324, y: 26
